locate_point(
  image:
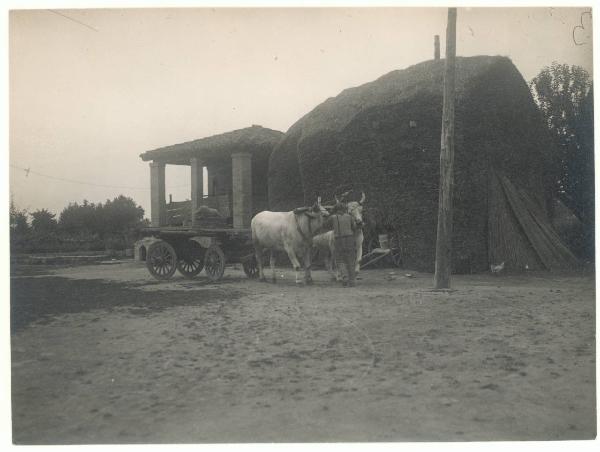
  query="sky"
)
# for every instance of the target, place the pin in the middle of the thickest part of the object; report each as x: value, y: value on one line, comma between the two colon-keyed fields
x: 92, y: 89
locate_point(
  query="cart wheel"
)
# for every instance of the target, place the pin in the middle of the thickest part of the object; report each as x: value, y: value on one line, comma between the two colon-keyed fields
x: 161, y: 260
x: 214, y: 262
x: 396, y: 254
x: 368, y: 248
x: 191, y: 259
x: 371, y: 245
x: 396, y: 258
x: 250, y: 267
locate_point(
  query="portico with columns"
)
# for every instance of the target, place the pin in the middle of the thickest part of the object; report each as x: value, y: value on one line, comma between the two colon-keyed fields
x: 157, y: 194
x: 197, y: 185
x: 236, y: 164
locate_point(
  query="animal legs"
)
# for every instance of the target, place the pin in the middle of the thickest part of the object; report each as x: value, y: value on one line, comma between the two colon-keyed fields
x: 272, y: 264
x: 294, y: 260
x: 328, y: 258
x: 307, y: 265
x: 359, y: 244
x: 258, y: 252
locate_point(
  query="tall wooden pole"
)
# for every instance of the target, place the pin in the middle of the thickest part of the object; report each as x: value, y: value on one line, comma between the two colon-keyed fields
x: 436, y: 47
x: 443, y: 255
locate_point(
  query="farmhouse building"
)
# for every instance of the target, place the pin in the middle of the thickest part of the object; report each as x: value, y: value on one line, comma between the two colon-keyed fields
x: 236, y: 165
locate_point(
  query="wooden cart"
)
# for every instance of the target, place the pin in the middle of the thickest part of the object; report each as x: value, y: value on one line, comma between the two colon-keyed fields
x: 189, y: 250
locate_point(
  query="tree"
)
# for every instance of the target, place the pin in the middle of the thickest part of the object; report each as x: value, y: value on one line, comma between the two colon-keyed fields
x: 582, y: 167
x: 18, y: 220
x: 82, y: 218
x: 118, y: 216
x: 560, y: 91
x: 43, y: 221
x: 121, y: 215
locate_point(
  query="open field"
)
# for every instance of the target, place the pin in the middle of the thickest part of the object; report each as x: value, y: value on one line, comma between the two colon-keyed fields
x: 106, y: 354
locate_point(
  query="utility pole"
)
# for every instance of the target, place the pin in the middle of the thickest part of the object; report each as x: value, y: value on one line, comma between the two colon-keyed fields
x: 443, y: 252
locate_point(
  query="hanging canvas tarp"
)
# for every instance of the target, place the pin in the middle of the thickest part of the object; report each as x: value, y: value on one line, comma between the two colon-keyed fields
x: 550, y: 250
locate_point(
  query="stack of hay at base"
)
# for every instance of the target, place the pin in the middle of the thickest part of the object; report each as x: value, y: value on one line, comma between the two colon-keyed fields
x: 209, y: 218
x: 178, y: 213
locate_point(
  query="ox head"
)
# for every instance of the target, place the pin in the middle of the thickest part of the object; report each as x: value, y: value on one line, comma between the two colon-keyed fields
x: 314, y: 214
x: 316, y: 211
x: 354, y: 208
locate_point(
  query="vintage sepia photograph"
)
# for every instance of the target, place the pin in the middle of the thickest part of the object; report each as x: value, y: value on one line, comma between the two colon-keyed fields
x: 319, y: 224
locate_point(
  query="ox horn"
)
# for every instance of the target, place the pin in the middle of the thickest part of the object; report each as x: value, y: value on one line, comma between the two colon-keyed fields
x: 317, y: 205
x: 362, y: 198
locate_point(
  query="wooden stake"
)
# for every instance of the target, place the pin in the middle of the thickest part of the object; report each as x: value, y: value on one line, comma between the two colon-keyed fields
x: 443, y: 255
x: 436, y: 47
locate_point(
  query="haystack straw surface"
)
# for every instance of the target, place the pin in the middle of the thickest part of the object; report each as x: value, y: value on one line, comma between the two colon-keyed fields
x: 384, y: 138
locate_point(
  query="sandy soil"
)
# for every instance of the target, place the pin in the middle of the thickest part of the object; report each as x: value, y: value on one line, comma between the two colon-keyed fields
x: 105, y: 354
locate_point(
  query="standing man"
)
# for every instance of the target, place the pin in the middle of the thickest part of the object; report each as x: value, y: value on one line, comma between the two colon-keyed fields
x: 345, y: 248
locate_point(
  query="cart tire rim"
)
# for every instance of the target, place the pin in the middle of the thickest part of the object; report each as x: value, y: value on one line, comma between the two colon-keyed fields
x: 214, y: 262
x: 191, y: 261
x: 161, y: 260
x: 250, y: 268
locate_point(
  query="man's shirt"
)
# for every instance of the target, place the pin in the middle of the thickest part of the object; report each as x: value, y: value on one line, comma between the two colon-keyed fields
x: 343, y: 225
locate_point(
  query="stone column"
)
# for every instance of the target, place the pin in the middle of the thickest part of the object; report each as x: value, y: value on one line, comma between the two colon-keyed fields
x: 241, y: 175
x: 158, y: 208
x: 210, y: 176
x: 197, y: 186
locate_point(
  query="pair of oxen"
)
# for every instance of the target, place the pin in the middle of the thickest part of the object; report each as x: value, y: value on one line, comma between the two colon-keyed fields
x: 299, y: 231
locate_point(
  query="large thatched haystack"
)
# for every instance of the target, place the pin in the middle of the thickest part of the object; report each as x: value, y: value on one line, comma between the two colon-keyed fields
x: 384, y: 137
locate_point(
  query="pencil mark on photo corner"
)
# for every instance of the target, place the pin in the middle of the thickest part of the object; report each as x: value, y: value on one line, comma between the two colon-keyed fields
x: 73, y: 19
x: 581, y: 26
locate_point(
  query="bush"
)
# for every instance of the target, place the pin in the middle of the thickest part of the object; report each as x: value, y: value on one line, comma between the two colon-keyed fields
x: 85, y: 227
x: 116, y: 242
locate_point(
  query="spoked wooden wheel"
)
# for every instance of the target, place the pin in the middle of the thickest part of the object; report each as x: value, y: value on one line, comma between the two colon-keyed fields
x: 250, y: 267
x: 214, y: 262
x: 161, y: 260
x: 191, y: 259
x: 395, y: 256
x: 373, y: 243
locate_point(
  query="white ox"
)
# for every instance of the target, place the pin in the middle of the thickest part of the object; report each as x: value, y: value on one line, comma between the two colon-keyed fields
x: 325, y: 242
x: 291, y: 232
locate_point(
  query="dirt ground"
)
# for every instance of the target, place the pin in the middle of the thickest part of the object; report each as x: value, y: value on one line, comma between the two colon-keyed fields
x: 105, y: 354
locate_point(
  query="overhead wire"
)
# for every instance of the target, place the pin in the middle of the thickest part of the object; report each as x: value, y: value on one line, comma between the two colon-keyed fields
x: 28, y: 171
x: 58, y: 13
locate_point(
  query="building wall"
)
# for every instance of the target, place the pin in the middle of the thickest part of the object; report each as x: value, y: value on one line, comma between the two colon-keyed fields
x: 260, y: 177
x: 220, y: 179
